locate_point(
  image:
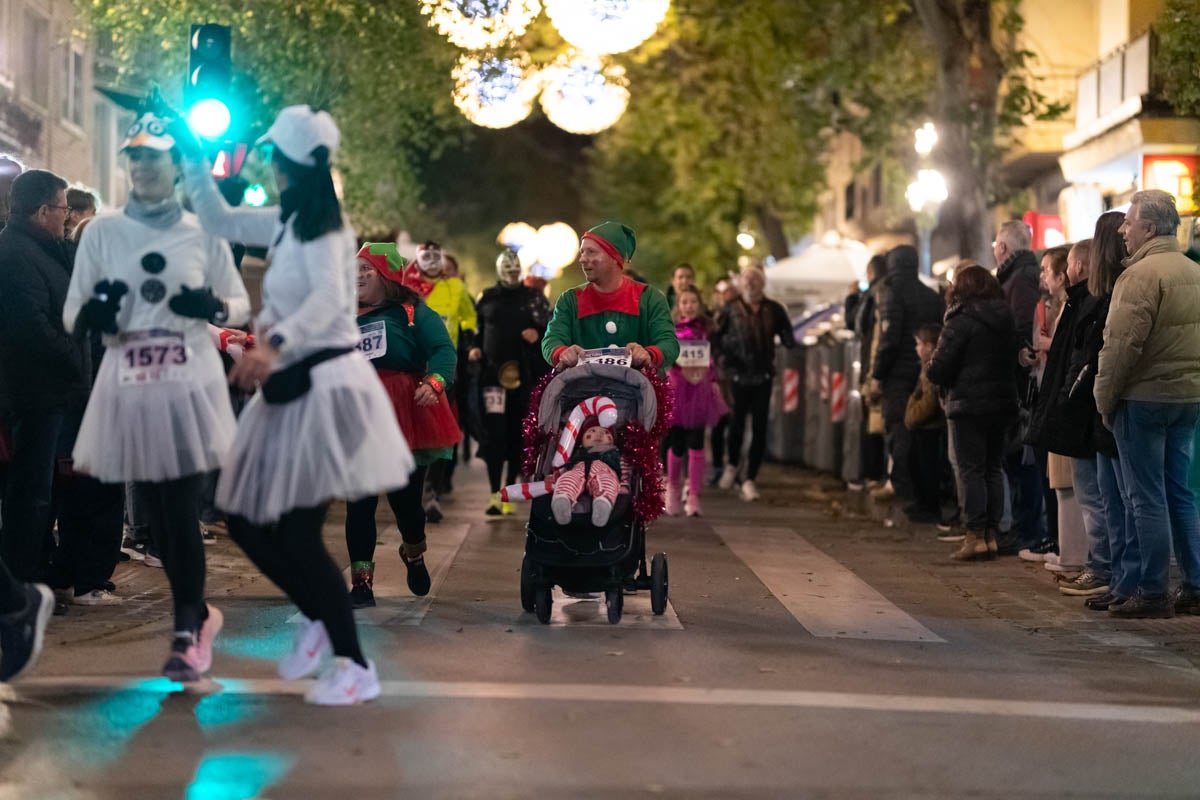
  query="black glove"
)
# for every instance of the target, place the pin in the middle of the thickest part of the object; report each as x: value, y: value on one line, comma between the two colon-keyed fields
x: 100, y: 312
x: 197, y: 304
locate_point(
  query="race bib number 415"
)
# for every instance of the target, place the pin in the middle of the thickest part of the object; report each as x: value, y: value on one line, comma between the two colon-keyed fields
x: 614, y: 356
x: 153, y: 359
x: 695, y: 355
x: 372, y: 339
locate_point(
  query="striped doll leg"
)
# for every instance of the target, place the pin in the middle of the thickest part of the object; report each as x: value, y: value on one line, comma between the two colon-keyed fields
x: 567, y: 489
x: 603, y: 485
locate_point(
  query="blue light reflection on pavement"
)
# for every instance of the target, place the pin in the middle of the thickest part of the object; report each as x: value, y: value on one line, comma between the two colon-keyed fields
x: 99, y: 731
x: 237, y: 776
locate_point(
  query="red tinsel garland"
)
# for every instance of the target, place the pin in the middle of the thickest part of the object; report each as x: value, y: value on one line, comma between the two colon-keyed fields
x: 639, y: 447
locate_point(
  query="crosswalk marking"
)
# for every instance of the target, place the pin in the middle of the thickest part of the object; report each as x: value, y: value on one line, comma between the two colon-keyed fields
x: 676, y: 695
x: 575, y: 612
x: 825, y: 597
x: 395, y: 604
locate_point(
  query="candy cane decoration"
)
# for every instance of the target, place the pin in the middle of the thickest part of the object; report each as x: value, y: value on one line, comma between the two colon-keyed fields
x: 603, y: 408
x: 526, y: 491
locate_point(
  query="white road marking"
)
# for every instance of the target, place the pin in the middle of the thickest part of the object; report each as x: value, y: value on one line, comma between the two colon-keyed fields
x: 575, y: 612
x: 825, y: 597
x: 395, y: 605
x: 670, y: 695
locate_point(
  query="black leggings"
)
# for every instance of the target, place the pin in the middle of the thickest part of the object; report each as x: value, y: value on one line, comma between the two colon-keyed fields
x: 719, y: 432
x: 12, y: 592
x: 680, y: 440
x: 361, y: 534
x: 292, y: 554
x: 173, y: 508
x: 503, y: 444
x: 755, y: 401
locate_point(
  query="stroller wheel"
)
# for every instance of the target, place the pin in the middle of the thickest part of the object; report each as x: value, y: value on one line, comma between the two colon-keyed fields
x: 542, y: 603
x: 615, y: 600
x: 527, y: 599
x: 658, y: 583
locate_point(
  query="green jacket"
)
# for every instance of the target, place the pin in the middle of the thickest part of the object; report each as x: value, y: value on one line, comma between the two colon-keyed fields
x: 1152, y: 336
x: 421, y: 345
x: 635, y: 312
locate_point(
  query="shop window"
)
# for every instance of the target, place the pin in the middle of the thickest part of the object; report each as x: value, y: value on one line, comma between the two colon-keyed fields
x: 73, y: 80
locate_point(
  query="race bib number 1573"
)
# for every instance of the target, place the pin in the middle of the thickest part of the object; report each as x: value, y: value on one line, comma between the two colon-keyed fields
x: 153, y: 360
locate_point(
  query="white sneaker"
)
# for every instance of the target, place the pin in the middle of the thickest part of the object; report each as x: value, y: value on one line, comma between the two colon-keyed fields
x: 728, y: 477
x: 97, y: 597
x: 308, y: 650
x: 749, y: 491
x: 345, y: 685
x: 152, y: 560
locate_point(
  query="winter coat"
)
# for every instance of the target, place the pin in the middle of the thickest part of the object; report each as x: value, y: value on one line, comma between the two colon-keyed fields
x: 745, y: 340
x: 1152, y: 337
x: 1059, y: 423
x: 1020, y: 278
x: 909, y: 304
x: 975, y: 360
x: 42, y: 366
x: 503, y: 312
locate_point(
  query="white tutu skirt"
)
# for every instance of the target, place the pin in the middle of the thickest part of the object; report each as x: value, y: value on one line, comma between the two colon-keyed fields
x: 158, y: 431
x: 340, y: 440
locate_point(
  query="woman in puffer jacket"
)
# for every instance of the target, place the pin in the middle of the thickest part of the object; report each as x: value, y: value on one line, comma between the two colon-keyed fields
x: 975, y: 364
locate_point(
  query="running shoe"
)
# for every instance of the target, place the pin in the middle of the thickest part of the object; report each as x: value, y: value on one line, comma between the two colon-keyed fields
x: 419, y: 582
x: 749, y: 491
x: 207, y: 535
x: 97, y: 597
x: 152, y: 560
x: 23, y: 632
x: 494, y: 505
x: 345, y: 684
x: 191, y: 652
x: 309, y: 649
x: 508, y: 509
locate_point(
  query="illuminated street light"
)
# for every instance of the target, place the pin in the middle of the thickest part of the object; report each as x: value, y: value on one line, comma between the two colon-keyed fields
x: 581, y: 95
x: 746, y: 240
x: 606, y: 26
x: 495, y: 92
x: 925, y: 195
x: 926, y: 137
x: 557, y: 245
x: 480, y: 24
x: 517, y: 235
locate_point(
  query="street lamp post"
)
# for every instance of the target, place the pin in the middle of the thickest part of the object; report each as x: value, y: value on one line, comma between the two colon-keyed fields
x: 926, y: 194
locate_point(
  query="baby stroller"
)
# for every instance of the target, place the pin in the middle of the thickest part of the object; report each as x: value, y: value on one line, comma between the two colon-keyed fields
x: 580, y: 557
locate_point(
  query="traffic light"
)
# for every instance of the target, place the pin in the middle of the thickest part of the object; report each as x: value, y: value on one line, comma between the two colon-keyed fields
x: 206, y: 92
x: 228, y: 159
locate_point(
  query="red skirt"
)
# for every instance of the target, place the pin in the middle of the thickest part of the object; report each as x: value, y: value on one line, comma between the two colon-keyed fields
x: 424, y: 427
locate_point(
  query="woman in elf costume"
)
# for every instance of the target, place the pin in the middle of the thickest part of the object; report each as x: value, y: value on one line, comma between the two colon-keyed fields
x: 698, y: 403
x: 411, y: 351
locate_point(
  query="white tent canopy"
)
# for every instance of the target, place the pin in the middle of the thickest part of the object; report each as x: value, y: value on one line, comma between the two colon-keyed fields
x: 822, y: 273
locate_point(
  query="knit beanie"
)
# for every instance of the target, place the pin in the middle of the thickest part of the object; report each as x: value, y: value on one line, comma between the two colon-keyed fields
x: 614, y: 238
x: 386, y: 260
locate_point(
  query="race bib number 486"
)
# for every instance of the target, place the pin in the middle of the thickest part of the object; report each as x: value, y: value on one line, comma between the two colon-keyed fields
x: 146, y: 360
x: 615, y: 356
x: 372, y: 339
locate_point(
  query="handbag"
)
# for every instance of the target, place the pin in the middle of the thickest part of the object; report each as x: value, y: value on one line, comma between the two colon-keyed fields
x: 293, y: 381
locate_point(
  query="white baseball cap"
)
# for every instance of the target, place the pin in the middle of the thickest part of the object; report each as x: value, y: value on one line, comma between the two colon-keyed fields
x: 298, y: 131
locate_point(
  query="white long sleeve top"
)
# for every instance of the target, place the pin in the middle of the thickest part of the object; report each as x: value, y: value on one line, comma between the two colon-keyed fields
x: 309, y: 291
x: 117, y: 247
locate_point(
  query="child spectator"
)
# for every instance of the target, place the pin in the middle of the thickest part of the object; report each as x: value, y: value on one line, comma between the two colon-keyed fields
x: 924, y: 419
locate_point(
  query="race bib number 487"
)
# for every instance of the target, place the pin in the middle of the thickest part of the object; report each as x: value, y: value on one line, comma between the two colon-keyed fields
x: 153, y: 359
x: 372, y: 339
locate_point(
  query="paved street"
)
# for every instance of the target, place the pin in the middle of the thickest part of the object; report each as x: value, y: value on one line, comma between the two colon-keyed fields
x: 808, y: 651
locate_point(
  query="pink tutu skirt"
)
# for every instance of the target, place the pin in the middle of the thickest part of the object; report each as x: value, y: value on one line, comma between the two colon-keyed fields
x: 697, y: 405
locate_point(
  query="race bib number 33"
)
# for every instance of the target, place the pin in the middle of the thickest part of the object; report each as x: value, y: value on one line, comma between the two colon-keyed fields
x: 153, y: 360
x: 372, y: 339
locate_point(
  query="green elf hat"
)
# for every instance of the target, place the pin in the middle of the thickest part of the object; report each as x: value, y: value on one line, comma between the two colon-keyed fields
x: 386, y: 260
x: 615, y: 239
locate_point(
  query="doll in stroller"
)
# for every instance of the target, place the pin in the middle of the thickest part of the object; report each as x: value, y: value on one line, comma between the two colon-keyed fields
x: 584, y: 532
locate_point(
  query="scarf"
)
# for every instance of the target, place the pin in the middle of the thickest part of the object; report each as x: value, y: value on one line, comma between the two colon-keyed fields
x: 159, y: 216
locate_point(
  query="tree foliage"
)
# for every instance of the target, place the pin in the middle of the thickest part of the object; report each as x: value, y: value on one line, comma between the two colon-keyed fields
x: 376, y: 66
x: 1178, y: 43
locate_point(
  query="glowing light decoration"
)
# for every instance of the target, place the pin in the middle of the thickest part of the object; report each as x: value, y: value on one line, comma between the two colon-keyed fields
x: 495, y: 92
x: 480, y: 24
x: 557, y: 245
x: 516, y: 235
x: 581, y: 95
x: 606, y: 26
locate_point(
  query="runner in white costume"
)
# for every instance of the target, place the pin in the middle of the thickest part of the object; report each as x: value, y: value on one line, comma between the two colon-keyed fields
x: 322, y: 426
x: 151, y: 279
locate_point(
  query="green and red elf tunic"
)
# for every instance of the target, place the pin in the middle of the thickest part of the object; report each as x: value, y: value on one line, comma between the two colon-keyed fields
x: 635, y: 312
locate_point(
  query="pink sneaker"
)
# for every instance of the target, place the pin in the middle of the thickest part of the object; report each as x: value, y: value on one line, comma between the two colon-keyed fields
x: 191, y: 653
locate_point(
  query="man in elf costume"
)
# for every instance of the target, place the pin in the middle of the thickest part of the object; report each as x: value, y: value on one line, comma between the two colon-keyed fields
x: 610, y: 309
x: 448, y: 297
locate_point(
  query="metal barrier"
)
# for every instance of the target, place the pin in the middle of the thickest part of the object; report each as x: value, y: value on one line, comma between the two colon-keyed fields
x: 855, y: 419
x: 785, y: 436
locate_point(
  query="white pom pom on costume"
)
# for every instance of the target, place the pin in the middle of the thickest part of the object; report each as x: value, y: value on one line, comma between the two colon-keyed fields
x: 600, y: 407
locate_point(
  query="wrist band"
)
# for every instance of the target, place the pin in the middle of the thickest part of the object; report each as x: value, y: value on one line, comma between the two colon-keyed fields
x: 434, y: 381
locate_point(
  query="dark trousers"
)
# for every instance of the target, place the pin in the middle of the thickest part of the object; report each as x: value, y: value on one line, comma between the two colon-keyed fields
x: 1027, y: 483
x: 12, y: 592
x: 25, y: 543
x: 361, y: 532
x: 174, y: 511
x: 927, y: 462
x: 719, y: 432
x: 874, y: 456
x: 89, y: 532
x: 898, y: 441
x: 979, y: 445
x: 503, y: 445
x: 754, y: 401
x: 292, y: 554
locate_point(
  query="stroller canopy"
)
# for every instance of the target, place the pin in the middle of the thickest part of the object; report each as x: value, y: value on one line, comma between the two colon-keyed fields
x: 628, y: 388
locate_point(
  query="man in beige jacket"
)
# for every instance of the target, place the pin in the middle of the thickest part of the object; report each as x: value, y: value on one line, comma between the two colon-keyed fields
x: 1148, y: 391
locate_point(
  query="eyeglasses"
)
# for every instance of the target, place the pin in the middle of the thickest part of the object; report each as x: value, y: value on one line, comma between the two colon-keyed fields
x: 59, y: 208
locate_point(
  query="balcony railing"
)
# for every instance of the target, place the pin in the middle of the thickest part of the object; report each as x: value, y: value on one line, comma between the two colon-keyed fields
x: 1112, y: 90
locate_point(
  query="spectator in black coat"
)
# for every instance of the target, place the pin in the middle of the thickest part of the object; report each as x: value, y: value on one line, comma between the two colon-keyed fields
x: 1018, y: 272
x: 44, y: 371
x: 860, y: 318
x: 973, y: 363
x: 909, y: 304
